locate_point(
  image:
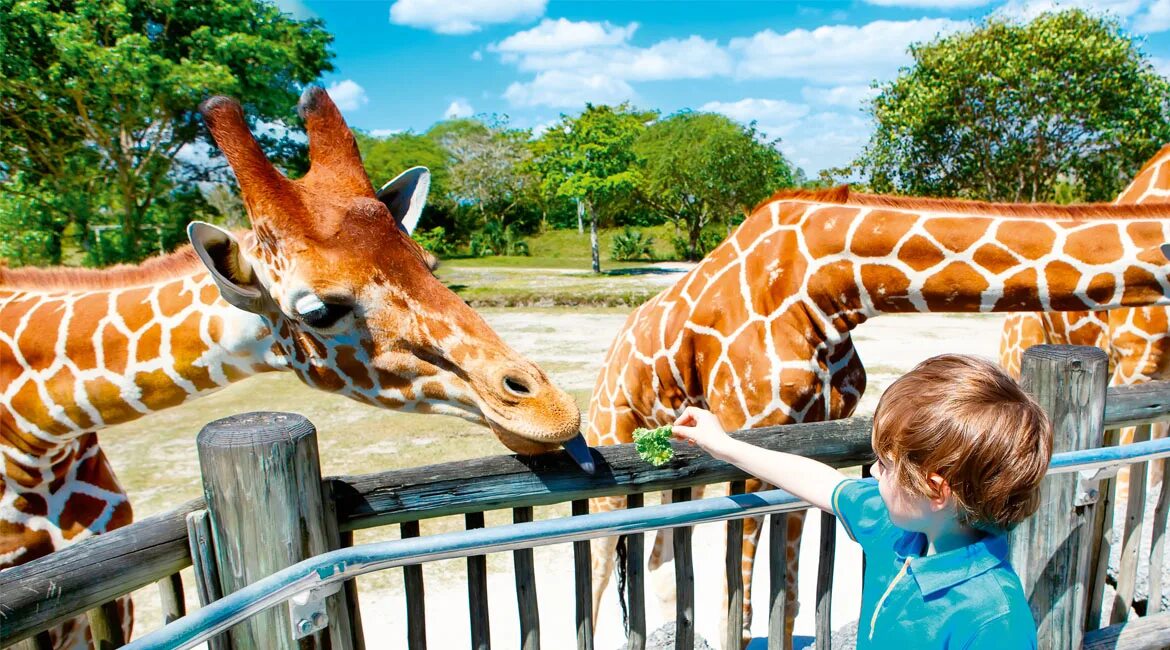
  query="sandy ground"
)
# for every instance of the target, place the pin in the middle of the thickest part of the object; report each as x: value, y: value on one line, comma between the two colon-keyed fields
x: 570, y: 345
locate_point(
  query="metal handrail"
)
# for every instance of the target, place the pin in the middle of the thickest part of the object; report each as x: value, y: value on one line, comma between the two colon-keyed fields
x: 347, y: 563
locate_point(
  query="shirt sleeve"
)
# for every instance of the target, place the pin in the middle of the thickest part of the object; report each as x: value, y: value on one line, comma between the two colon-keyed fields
x: 1003, y: 633
x: 859, y: 506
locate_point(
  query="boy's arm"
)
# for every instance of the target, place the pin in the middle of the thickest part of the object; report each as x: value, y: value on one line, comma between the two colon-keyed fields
x: 806, y: 478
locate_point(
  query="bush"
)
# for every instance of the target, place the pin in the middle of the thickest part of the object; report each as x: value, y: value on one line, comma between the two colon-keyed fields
x: 497, y: 240
x: 631, y: 244
x: 708, y: 240
x: 434, y: 240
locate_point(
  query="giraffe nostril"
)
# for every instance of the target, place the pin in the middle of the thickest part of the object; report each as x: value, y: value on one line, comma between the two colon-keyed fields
x: 518, y: 387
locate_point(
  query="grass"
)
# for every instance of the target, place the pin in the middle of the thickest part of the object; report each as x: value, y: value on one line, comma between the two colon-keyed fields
x: 568, y: 249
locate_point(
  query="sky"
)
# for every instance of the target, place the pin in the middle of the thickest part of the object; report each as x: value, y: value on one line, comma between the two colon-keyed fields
x: 802, y: 70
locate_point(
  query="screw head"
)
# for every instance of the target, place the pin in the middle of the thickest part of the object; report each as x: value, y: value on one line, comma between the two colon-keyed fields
x: 305, y: 626
x: 320, y: 620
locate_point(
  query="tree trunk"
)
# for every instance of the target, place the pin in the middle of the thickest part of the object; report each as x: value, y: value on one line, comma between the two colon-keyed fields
x: 593, y: 239
x: 694, y: 252
x: 580, y: 222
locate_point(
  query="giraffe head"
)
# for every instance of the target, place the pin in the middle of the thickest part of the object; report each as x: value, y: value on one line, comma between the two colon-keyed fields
x: 348, y: 296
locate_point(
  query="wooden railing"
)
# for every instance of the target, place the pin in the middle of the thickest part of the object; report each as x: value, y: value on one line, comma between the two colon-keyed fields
x: 84, y: 577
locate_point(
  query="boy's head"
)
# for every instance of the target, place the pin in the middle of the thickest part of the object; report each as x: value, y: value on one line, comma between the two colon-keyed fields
x: 958, y: 425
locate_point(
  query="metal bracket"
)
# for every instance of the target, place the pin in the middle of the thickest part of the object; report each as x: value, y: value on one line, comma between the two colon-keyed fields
x: 1088, y: 482
x: 306, y: 610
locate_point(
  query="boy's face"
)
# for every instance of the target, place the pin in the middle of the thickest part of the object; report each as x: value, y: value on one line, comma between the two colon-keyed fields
x: 908, y: 510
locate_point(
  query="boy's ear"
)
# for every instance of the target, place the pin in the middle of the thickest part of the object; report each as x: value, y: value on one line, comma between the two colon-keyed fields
x: 941, y: 490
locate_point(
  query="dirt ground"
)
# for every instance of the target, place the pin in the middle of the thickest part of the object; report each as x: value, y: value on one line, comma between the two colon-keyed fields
x: 156, y: 461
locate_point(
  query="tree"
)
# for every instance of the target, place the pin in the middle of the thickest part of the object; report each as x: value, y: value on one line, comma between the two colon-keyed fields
x: 698, y: 168
x: 98, y: 99
x: 490, y: 169
x: 1005, y: 110
x: 591, y: 158
x: 386, y: 157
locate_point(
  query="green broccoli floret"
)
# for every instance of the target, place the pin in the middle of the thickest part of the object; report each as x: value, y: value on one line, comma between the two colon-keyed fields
x: 653, y: 445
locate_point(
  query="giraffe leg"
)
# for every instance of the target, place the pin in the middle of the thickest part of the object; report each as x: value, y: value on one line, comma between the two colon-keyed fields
x: 602, y: 553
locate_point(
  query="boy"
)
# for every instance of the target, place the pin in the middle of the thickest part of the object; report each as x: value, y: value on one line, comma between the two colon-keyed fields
x: 961, y: 450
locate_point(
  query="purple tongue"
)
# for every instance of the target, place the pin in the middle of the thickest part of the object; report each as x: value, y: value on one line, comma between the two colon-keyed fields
x: 579, y: 452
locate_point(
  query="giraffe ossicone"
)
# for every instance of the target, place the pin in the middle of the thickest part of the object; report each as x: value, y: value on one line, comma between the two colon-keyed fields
x: 327, y: 284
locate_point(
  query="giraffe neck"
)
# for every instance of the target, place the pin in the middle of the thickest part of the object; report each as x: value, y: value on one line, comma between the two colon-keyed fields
x: 93, y: 357
x: 1152, y: 182
x: 845, y: 263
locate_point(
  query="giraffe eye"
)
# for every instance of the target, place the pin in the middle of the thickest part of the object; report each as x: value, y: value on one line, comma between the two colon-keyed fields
x: 325, y: 315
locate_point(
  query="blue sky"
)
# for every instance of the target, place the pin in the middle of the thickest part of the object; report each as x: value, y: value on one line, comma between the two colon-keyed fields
x: 802, y: 70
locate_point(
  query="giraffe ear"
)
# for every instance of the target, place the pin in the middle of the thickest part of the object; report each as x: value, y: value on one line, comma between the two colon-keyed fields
x: 220, y: 252
x: 1166, y: 248
x: 406, y: 195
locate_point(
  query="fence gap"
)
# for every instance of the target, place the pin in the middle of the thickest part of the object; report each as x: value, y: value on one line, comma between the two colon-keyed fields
x: 477, y: 596
x: 416, y: 609
x: 583, y: 583
x: 171, y: 599
x: 684, y: 579
x: 526, y: 602
x: 734, y: 570
x: 105, y: 626
x: 636, y: 582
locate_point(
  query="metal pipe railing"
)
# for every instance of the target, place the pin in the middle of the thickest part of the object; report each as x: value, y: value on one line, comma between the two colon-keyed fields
x: 344, y: 564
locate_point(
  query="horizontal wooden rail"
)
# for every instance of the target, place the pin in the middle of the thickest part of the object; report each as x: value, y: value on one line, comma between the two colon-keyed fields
x: 1146, y: 633
x: 35, y: 595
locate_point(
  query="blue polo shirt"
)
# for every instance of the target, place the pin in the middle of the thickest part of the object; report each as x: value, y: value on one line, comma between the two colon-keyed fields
x: 964, y: 599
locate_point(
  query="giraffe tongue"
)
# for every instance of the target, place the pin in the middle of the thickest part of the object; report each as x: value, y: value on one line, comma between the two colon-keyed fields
x: 580, y: 453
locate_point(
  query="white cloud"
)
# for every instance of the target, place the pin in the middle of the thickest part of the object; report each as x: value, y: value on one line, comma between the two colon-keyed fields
x: 1026, y: 10
x: 348, y: 95
x: 384, y: 133
x: 458, y: 108
x: 562, y: 35
x: 1155, y: 19
x: 463, y: 16
x: 599, y: 55
x: 929, y: 4
x: 842, y: 53
x: 477, y: 56
x: 854, y: 96
x: 563, y: 89
x: 775, y: 117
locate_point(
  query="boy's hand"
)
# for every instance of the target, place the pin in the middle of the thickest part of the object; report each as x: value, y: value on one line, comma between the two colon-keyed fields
x: 700, y: 427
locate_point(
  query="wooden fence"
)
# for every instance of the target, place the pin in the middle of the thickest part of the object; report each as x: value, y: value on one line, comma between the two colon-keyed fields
x: 274, y: 455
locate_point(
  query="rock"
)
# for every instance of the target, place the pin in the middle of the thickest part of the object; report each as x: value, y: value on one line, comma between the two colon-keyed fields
x: 663, y: 639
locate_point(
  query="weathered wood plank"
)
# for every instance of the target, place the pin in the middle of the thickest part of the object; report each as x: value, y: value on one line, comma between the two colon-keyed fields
x: 1146, y: 633
x: 825, y: 567
x: 50, y: 589
x: 262, y: 482
x: 170, y: 595
x: 733, y: 568
x: 105, y: 626
x: 526, y: 601
x: 207, y: 588
x: 636, y: 582
x: 1102, y: 542
x: 347, y: 631
x: 416, y: 611
x: 1131, y: 536
x: 684, y: 579
x: 1050, y: 549
x: 583, y: 583
x: 477, y: 595
x: 778, y: 576
x: 509, y: 481
x: 1132, y: 405
x: 1158, y: 542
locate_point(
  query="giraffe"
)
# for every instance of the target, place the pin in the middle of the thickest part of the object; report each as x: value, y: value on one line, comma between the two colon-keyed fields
x: 1137, y: 340
x: 326, y: 284
x: 759, y: 331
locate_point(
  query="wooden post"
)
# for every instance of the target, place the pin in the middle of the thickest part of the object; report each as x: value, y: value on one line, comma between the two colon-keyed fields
x: 824, y: 624
x: 778, y: 574
x: 733, y: 565
x: 583, y: 583
x: 684, y: 579
x: 477, y: 593
x: 636, y: 582
x: 262, y: 485
x: 1050, y: 551
x: 526, y: 602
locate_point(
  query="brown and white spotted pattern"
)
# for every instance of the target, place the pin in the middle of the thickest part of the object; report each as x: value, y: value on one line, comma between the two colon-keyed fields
x: 759, y: 331
x: 327, y: 284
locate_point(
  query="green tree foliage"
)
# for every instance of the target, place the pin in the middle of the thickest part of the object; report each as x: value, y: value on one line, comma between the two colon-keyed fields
x: 697, y: 169
x: 1004, y: 111
x: 97, y: 99
x: 386, y: 157
x: 590, y: 158
x: 490, y: 172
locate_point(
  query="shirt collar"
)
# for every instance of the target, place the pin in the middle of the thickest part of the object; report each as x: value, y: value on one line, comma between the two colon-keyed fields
x: 941, y: 571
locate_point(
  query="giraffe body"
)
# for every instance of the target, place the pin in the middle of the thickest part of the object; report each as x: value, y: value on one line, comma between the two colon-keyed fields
x: 759, y: 331
x: 327, y: 284
x: 1137, y: 340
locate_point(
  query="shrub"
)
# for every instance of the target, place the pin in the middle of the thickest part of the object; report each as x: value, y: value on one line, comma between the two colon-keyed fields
x: 631, y: 244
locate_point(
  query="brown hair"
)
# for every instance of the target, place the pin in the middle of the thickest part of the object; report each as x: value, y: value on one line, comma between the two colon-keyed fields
x: 964, y: 419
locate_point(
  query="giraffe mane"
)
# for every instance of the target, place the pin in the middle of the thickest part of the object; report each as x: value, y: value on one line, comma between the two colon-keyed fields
x: 180, y: 261
x: 842, y: 195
